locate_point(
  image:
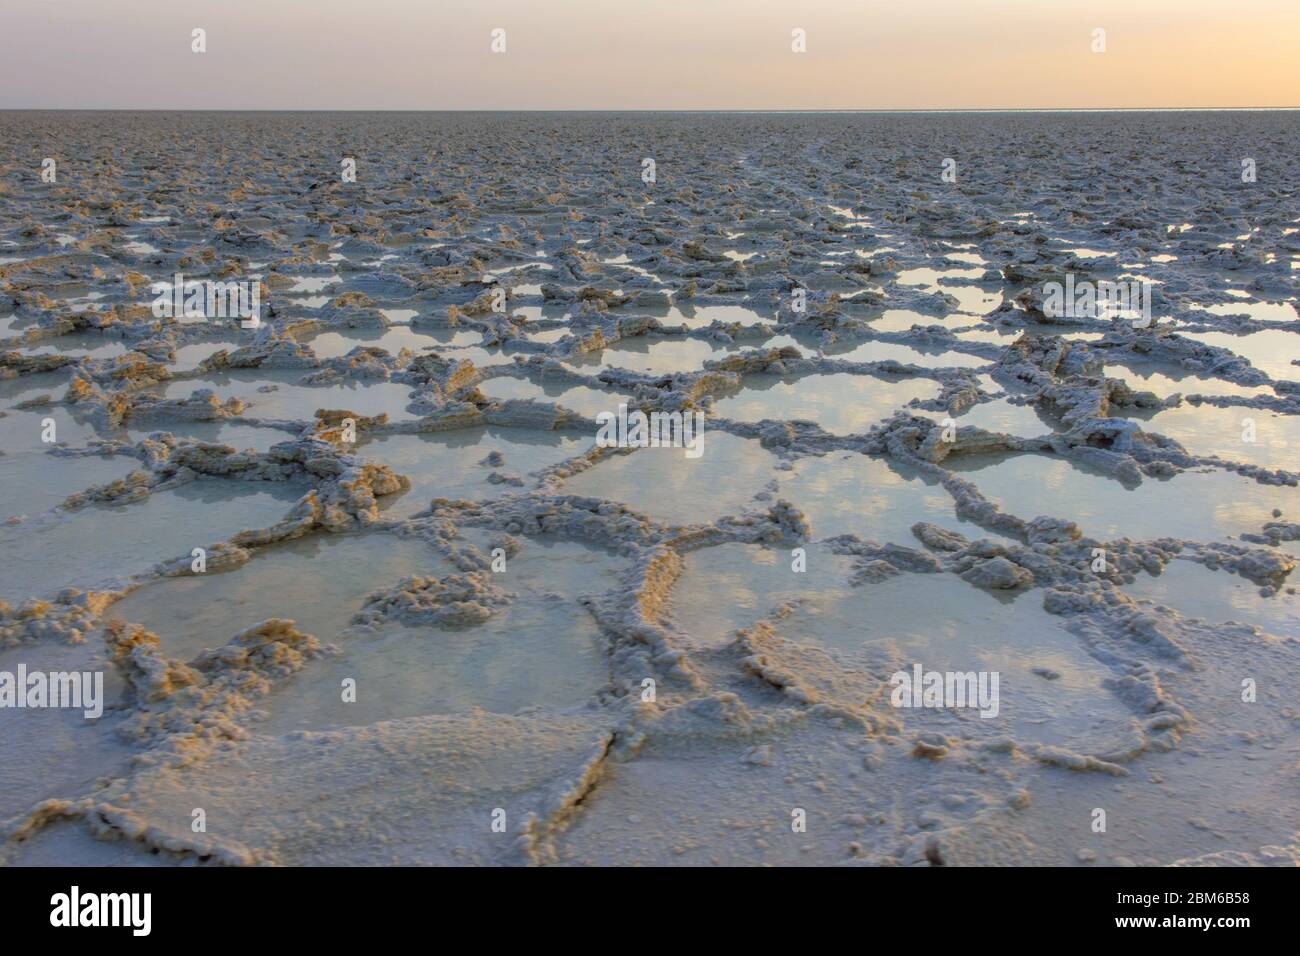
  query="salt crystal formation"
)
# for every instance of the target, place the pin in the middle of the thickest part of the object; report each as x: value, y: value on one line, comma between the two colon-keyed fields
x: 367, y: 589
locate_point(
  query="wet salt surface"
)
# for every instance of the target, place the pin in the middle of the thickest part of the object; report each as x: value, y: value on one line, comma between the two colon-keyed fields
x: 1001, y: 336
x: 733, y: 586
x: 289, y: 401
x: 332, y: 344
x: 1271, y: 351
x: 34, y: 482
x: 732, y: 733
x: 1167, y: 380
x: 658, y: 356
x: 237, y: 436
x: 452, y: 464
x: 61, y: 843
x: 80, y: 346
x: 889, y: 351
x: 970, y: 298
x: 319, y: 582
x: 1247, y: 435
x: 1200, y: 506
x: 588, y: 402
x: 24, y: 431
x: 699, y: 316
x: 101, y: 543
x: 1001, y: 415
x: 543, y: 650
x: 189, y: 357
x: 27, y: 387
x: 945, y: 624
x: 873, y: 498
x: 840, y: 403
x: 668, y: 487
x: 1260, y: 311
x: 900, y: 320
x: 50, y: 751
x: 1217, y: 596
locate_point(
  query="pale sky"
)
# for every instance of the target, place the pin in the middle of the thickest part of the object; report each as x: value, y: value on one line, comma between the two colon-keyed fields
x: 649, y: 54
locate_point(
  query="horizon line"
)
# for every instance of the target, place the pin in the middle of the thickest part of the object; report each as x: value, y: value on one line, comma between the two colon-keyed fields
x: 973, y: 109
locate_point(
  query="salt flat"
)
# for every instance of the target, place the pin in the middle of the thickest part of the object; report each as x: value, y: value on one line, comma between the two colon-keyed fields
x: 361, y: 574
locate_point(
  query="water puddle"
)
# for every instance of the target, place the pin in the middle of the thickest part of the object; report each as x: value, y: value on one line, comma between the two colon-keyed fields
x: 1197, y: 506
x: 51, y: 752
x: 731, y: 586
x: 973, y: 299
x: 944, y: 624
x: 542, y: 650
x: 35, y: 482
x: 874, y: 498
x: 237, y: 436
x: 699, y: 316
x: 660, y: 356
x: 673, y: 489
x: 319, y: 582
x: 908, y: 355
x: 1000, y: 415
x: 1259, y: 311
x: 329, y: 345
x: 1247, y: 435
x: 586, y: 401
x: 80, y: 346
x: 298, y: 402
x: 841, y: 403
x: 1167, y: 379
x: 99, y: 543
x: 1272, y: 351
x: 24, y: 430
x: 452, y: 464
x: 1217, y: 596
